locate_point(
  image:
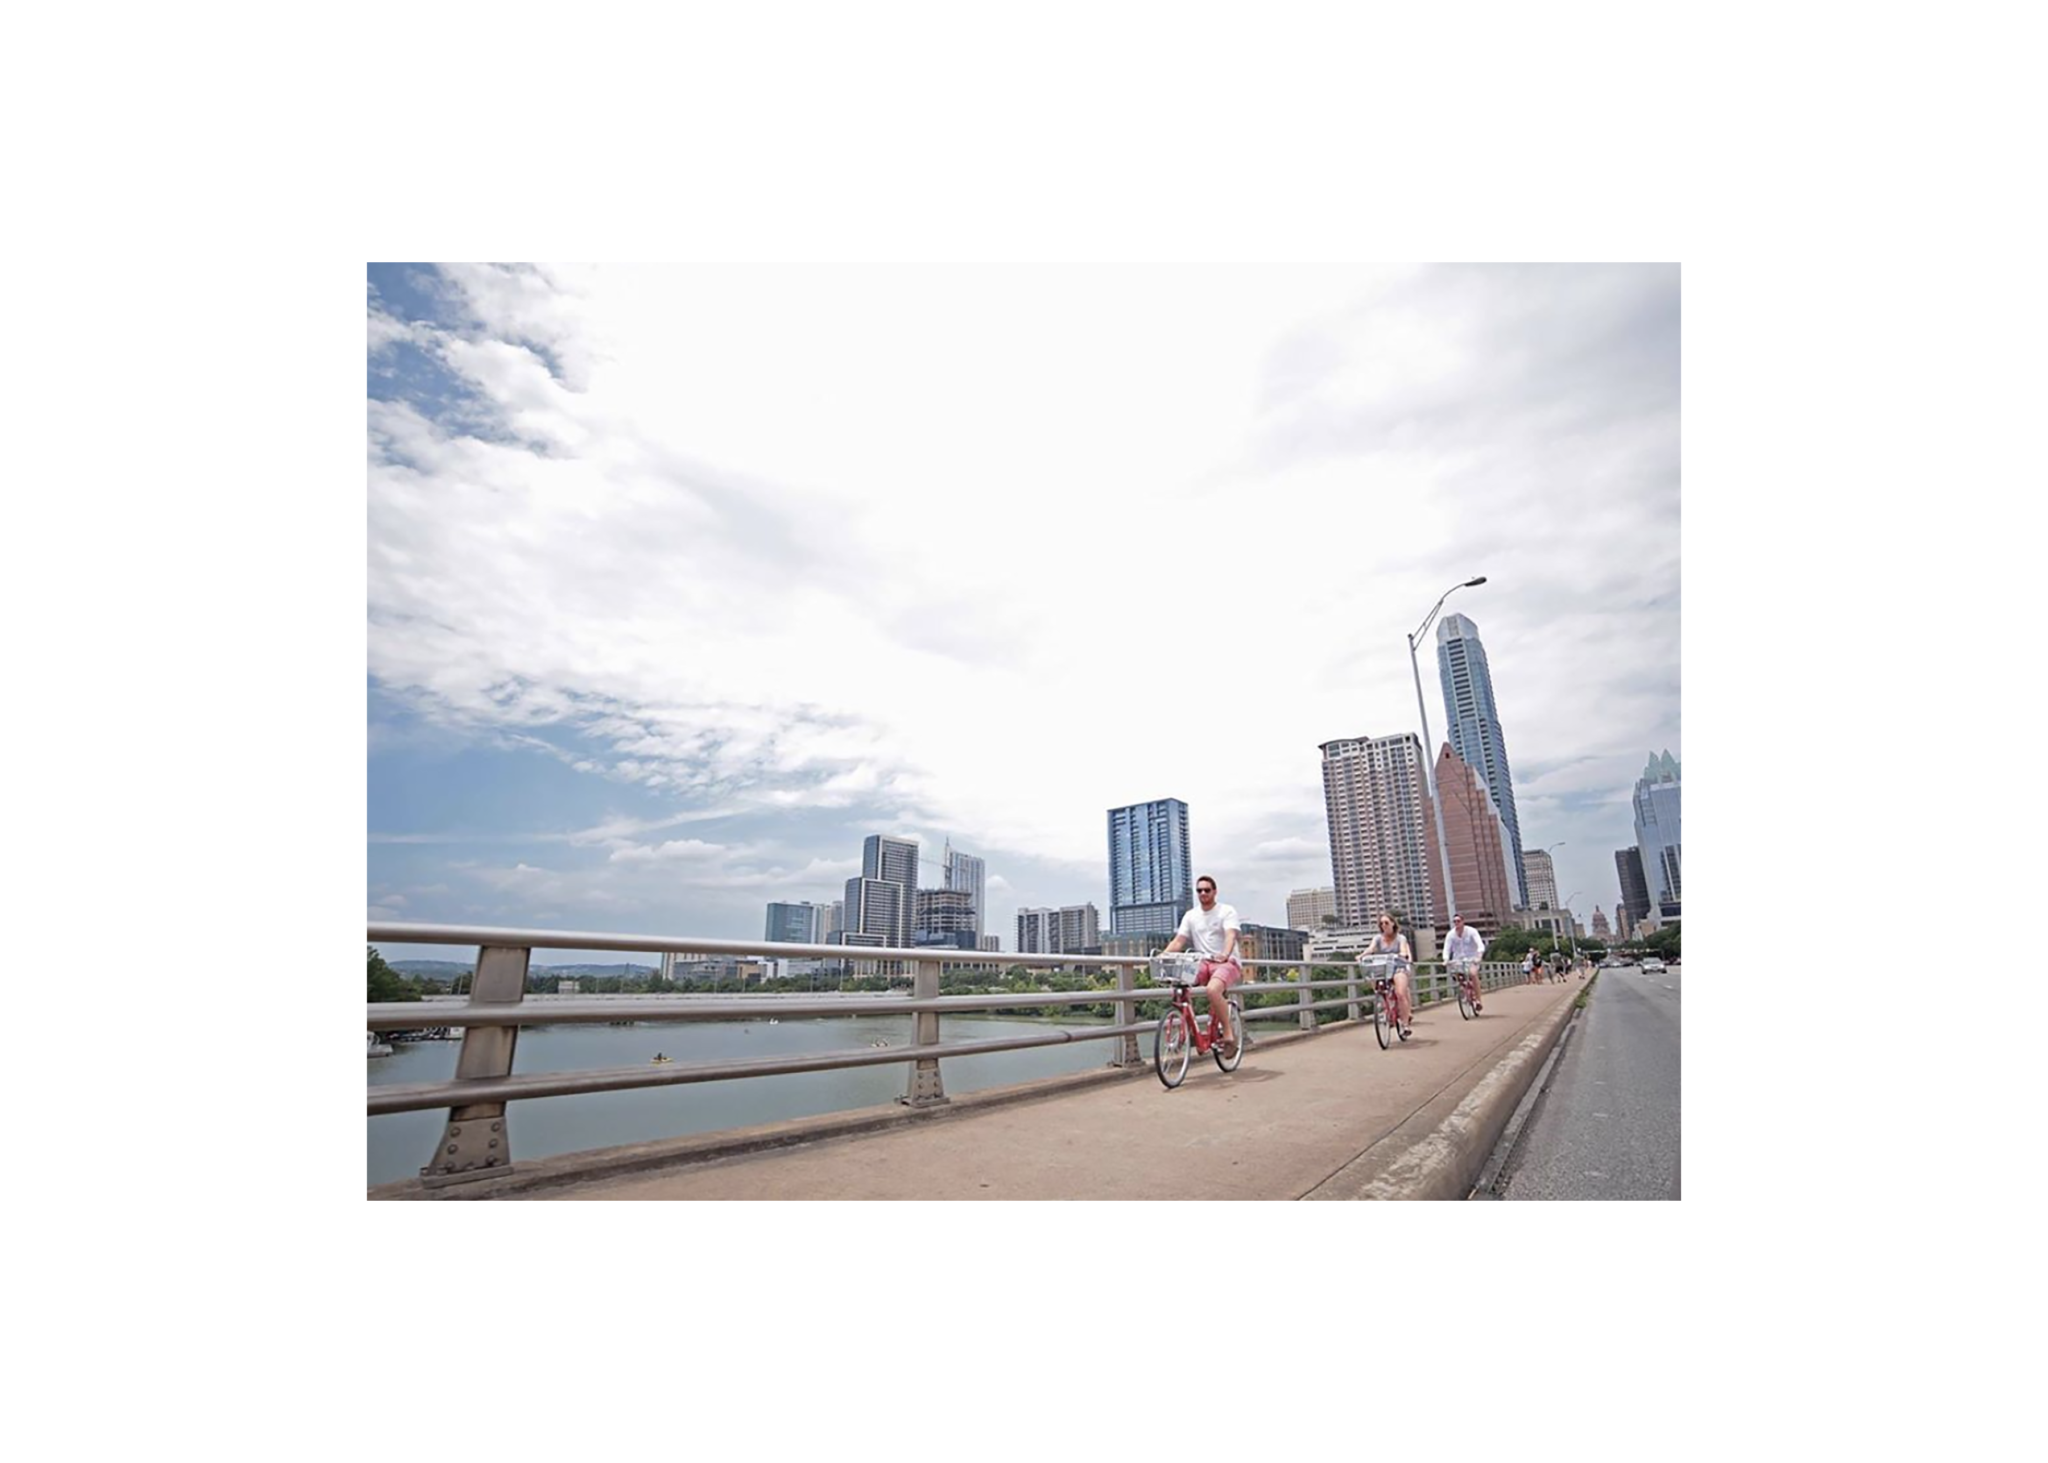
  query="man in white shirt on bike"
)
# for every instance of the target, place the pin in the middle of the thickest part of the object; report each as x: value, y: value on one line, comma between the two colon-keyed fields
x: 1465, y: 943
x: 1212, y: 931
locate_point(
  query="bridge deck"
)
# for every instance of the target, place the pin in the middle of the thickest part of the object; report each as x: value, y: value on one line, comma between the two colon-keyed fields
x: 1323, y: 1116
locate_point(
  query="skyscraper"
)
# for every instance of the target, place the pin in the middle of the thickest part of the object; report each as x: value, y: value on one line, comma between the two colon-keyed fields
x: 797, y: 924
x: 1482, y: 874
x: 1635, y: 890
x: 883, y: 900
x: 1475, y: 726
x: 1542, y: 879
x: 946, y: 917
x: 1657, y: 833
x: 966, y: 872
x: 1374, y: 797
x: 1150, y: 882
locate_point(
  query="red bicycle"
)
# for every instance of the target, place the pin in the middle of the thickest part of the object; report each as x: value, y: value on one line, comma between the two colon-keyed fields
x: 1182, y: 1033
x: 1384, y: 1026
x: 1467, y: 978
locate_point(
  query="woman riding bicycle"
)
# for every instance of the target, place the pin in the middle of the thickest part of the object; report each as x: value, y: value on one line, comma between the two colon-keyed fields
x: 1390, y: 941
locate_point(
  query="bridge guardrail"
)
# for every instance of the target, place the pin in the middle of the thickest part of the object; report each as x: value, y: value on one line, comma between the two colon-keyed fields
x: 475, y: 1142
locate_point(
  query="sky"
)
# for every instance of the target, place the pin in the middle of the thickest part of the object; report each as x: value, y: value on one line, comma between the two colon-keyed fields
x: 682, y: 581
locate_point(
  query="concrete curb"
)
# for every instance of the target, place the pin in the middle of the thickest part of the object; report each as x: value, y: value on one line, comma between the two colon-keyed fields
x: 1440, y: 1152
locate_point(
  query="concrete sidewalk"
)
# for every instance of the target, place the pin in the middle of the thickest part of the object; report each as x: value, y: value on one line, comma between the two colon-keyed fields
x: 1328, y: 1116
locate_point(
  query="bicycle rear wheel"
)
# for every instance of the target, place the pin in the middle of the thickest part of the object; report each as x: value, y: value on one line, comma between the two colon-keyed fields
x: 1171, y: 1044
x: 1383, y: 1016
x: 1236, y: 1033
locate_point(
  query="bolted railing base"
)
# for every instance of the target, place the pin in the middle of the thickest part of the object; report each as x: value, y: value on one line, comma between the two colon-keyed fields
x: 475, y: 1143
x: 474, y: 1149
x: 926, y: 1090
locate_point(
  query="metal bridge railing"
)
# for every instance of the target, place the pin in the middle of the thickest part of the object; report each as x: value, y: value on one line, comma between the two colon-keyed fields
x: 476, y: 1144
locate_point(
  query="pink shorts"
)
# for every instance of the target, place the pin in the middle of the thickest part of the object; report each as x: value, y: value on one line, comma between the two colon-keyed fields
x: 1229, y: 970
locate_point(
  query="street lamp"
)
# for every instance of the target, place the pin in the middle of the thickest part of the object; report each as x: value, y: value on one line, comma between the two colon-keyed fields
x: 1570, y: 927
x: 1443, y: 846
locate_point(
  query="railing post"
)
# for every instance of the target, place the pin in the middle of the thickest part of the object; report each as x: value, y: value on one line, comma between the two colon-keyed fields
x: 1351, y: 991
x: 1306, y: 997
x: 476, y: 1143
x: 1126, y: 1013
x: 925, y: 1090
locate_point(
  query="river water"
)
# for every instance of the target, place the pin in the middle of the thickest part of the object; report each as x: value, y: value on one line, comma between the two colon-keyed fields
x: 401, y: 1143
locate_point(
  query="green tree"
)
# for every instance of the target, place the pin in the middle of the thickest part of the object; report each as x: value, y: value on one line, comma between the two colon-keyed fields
x: 387, y: 984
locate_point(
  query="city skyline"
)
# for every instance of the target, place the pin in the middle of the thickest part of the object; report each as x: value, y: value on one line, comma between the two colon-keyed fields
x: 647, y: 649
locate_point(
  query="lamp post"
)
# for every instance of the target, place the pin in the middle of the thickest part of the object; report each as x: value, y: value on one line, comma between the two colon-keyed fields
x: 1570, y: 929
x: 1443, y: 847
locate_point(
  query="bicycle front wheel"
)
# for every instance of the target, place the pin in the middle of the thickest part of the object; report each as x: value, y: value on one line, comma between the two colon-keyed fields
x: 1464, y: 1000
x: 1229, y: 1063
x: 1383, y: 1017
x: 1171, y: 1045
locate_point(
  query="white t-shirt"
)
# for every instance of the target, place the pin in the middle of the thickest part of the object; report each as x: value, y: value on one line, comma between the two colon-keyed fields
x: 1203, y: 929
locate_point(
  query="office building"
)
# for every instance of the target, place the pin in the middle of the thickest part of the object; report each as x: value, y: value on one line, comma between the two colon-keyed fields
x: 1657, y: 832
x: 1151, y: 881
x: 1635, y: 890
x: 1374, y: 799
x: 796, y: 924
x: 1482, y: 874
x: 1542, y: 878
x: 1306, y: 908
x: 1266, y: 942
x: 1475, y: 730
x: 968, y: 874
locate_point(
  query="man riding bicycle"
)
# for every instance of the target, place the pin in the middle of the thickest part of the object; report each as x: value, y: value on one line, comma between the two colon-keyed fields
x: 1212, y: 930
x: 1465, y: 943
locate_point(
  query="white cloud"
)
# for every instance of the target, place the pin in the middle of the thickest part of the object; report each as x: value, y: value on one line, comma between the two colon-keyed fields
x: 1000, y: 550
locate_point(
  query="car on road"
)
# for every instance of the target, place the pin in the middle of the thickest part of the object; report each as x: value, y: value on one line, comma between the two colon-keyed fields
x: 1653, y: 966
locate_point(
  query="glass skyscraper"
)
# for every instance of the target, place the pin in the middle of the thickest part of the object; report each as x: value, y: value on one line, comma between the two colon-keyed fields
x: 1657, y: 830
x: 1150, y: 882
x: 1474, y: 723
x: 965, y: 872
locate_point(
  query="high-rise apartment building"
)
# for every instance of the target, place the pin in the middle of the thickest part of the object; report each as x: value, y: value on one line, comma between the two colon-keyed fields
x: 967, y: 873
x: 883, y: 900
x: 1151, y: 883
x: 1306, y: 908
x: 1542, y: 878
x: 1475, y: 726
x: 1482, y: 874
x: 1635, y: 890
x: 1068, y: 931
x: 1374, y: 797
x: 797, y: 924
x: 874, y: 911
x: 1657, y: 833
